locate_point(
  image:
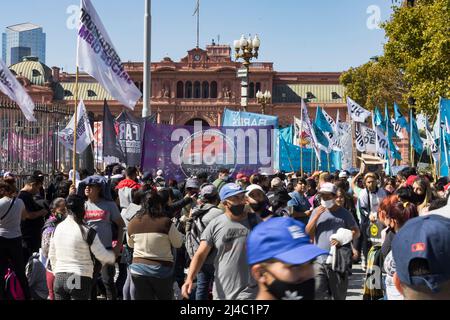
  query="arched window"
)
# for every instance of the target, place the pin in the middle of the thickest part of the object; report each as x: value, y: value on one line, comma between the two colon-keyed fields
x: 180, y: 90
x: 257, y: 88
x: 188, y: 90
x: 205, y: 90
x: 197, y: 90
x: 36, y: 73
x: 214, y: 90
x: 251, y: 92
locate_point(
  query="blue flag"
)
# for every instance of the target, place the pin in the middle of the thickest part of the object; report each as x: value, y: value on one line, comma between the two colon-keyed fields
x: 390, y: 135
x: 399, y: 118
x: 444, y: 149
x: 287, y: 134
x: 322, y: 122
x: 321, y: 138
x: 416, y: 141
x: 379, y: 121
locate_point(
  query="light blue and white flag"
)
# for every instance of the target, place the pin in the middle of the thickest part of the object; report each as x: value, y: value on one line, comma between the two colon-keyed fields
x: 357, y: 113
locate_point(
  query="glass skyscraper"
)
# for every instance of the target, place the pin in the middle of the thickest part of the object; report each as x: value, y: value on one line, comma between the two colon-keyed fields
x: 23, y: 40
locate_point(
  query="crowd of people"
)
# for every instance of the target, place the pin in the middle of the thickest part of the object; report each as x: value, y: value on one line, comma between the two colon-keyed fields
x: 130, y: 235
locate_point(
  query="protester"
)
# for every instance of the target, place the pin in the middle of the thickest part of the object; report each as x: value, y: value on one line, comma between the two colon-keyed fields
x: 280, y: 255
x: 423, y: 194
x: 102, y: 215
x: 397, y: 215
x: 421, y: 251
x: 223, y: 178
x: 324, y: 224
x: 12, y: 211
x: 34, y: 222
x: 152, y: 235
x: 258, y: 202
x: 368, y: 202
x: 227, y: 235
x: 125, y: 186
x: 242, y: 180
x: 70, y: 254
x: 199, y: 219
x: 58, y: 210
x: 279, y: 203
x: 299, y: 202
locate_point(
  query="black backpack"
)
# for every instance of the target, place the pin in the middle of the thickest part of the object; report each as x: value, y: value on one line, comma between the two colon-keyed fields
x: 194, y: 232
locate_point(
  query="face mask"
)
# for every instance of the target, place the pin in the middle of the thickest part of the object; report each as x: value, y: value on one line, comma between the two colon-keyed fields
x: 238, y: 210
x: 292, y: 291
x: 327, y: 204
x: 225, y: 178
x: 256, y: 207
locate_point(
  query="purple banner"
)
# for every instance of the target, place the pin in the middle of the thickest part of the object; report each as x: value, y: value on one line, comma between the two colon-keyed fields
x: 29, y: 150
x: 184, y: 151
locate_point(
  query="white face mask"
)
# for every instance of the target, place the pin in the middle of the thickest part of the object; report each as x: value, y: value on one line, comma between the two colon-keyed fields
x: 327, y: 204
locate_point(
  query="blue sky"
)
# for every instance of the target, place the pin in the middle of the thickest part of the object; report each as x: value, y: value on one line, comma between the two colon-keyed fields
x: 297, y: 35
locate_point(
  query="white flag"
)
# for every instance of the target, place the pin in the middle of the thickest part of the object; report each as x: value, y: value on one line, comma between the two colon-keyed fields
x: 302, y: 136
x: 14, y: 90
x: 97, y: 56
x: 360, y: 145
x: 397, y: 129
x: 358, y: 113
x: 308, y: 124
x: 369, y: 138
x: 84, y: 131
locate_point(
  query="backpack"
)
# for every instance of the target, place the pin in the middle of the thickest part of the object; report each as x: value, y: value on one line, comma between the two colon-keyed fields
x: 194, y: 232
x: 373, y: 281
x: 13, y: 289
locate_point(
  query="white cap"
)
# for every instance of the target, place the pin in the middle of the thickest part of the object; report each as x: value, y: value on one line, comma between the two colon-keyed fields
x: 253, y: 187
x: 328, y: 188
x: 343, y: 174
x: 276, y: 182
x: 159, y: 172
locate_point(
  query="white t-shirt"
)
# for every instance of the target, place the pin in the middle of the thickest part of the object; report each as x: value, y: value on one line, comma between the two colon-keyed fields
x: 10, y: 225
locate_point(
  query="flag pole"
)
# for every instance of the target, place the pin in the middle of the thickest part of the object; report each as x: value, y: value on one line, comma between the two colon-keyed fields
x: 386, y: 117
x: 147, y: 110
x: 74, y: 158
x: 301, y: 134
x: 410, y: 135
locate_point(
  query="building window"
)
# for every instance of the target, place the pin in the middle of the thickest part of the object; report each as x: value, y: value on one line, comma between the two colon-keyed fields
x: 335, y: 95
x: 197, y: 90
x: 205, y: 90
x: 36, y: 73
x: 257, y: 87
x: 310, y: 96
x: 188, y: 90
x: 180, y: 90
x: 214, y: 90
x: 68, y: 93
x: 91, y: 93
x: 251, y: 93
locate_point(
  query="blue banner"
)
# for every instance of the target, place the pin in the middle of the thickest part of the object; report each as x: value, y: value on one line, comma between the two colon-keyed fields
x: 287, y: 134
x: 247, y: 119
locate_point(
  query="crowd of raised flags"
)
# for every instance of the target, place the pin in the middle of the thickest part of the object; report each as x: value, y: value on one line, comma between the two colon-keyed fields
x: 304, y: 144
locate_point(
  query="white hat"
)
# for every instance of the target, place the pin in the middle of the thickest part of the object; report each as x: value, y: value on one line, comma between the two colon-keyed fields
x: 328, y: 188
x: 159, y: 172
x: 253, y: 187
x: 343, y: 174
x: 276, y: 183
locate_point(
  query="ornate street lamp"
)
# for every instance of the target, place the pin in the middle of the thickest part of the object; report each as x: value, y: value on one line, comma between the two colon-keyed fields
x: 246, y: 49
x: 263, y: 99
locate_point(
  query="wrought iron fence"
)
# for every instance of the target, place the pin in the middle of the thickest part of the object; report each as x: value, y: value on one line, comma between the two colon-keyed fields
x: 29, y: 146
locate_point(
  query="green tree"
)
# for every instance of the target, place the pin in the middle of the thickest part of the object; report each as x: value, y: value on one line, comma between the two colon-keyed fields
x: 416, y: 60
x: 374, y: 83
x: 419, y: 45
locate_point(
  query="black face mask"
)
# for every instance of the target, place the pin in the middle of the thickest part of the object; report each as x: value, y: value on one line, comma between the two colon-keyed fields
x: 238, y: 210
x: 419, y: 199
x: 293, y: 291
x: 257, y: 207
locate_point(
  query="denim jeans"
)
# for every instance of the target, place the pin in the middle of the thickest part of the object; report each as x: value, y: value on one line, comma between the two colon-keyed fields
x: 204, y: 280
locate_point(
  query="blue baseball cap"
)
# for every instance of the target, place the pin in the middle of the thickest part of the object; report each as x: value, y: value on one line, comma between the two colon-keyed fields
x: 283, y: 239
x: 425, y: 238
x: 230, y: 190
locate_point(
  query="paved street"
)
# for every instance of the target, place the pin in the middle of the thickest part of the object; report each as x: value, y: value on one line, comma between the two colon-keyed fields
x: 355, y: 288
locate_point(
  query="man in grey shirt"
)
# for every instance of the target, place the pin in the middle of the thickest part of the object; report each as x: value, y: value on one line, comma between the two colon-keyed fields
x: 325, y: 221
x: 227, y: 234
